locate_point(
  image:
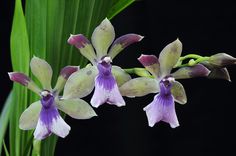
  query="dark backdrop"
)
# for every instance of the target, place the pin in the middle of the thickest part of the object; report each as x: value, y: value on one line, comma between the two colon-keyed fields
x: 206, y: 122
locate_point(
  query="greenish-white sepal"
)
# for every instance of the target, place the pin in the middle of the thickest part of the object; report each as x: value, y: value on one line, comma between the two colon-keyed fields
x: 115, y: 49
x: 33, y: 87
x: 169, y: 56
x: 88, y: 52
x: 102, y: 37
x: 60, y: 84
x: 80, y: 83
x: 76, y: 108
x: 178, y: 92
x: 139, y: 87
x: 42, y: 70
x: 120, y: 75
x: 29, y: 118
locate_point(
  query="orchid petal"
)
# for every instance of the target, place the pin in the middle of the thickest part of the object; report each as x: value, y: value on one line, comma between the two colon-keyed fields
x: 120, y: 75
x: 139, y: 87
x: 191, y: 72
x: 43, y: 71
x: 80, y: 83
x: 151, y: 63
x: 29, y: 118
x: 76, y: 108
x: 24, y: 80
x: 106, y: 92
x: 161, y: 108
x: 102, y: 37
x: 64, y: 75
x: 169, y: 57
x: 60, y: 127
x: 122, y: 42
x: 41, y: 131
x: 84, y: 45
x: 178, y: 92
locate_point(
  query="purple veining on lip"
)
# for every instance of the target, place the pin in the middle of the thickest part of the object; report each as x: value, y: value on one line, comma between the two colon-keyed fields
x: 162, y: 108
x: 78, y: 40
x: 49, y: 110
x: 148, y: 60
x: 19, y: 77
x: 68, y: 70
x: 127, y: 39
x: 105, y: 77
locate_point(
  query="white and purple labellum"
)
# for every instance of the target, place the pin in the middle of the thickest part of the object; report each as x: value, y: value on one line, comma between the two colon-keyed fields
x: 162, y: 107
x: 106, y: 89
x: 50, y: 120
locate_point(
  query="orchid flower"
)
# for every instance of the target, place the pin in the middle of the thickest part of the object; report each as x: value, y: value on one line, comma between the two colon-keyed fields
x: 162, y: 108
x: 105, y: 77
x: 43, y: 115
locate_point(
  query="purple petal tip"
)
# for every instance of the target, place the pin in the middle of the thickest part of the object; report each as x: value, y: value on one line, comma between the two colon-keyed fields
x: 19, y: 77
x: 128, y: 39
x: 199, y: 70
x: 68, y: 70
x: 78, y: 40
x: 147, y: 60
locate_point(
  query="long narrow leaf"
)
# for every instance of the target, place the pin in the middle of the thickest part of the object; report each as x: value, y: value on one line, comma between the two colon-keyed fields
x: 20, y: 62
x: 4, y: 118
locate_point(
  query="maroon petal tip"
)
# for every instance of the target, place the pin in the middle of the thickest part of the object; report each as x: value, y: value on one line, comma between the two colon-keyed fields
x: 19, y: 78
x: 147, y: 60
x: 78, y: 40
x: 68, y: 70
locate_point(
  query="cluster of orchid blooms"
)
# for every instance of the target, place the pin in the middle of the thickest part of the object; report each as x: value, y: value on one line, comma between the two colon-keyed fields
x: 112, y: 82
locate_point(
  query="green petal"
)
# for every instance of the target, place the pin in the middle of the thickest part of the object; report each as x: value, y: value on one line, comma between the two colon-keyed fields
x: 178, y: 92
x: 29, y: 118
x: 80, y: 83
x: 120, y: 75
x: 169, y: 56
x: 139, y: 87
x: 43, y: 71
x: 102, y: 37
x: 76, y: 108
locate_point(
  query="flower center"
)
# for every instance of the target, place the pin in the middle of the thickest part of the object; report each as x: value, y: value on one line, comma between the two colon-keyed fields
x: 166, y: 85
x: 104, y: 67
x: 47, y: 99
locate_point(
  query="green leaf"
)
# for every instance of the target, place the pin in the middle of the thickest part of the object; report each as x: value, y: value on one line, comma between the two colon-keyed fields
x: 118, y: 7
x: 20, y: 57
x: 4, y: 118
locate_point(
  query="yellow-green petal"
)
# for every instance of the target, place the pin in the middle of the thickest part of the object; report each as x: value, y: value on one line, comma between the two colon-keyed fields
x: 43, y: 71
x: 169, y: 56
x: 178, y: 92
x: 120, y: 75
x: 103, y: 37
x: 76, y: 108
x: 139, y: 87
x: 80, y: 83
x: 29, y: 118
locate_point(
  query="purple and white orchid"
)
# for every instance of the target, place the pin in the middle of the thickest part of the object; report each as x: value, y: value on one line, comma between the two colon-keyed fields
x: 105, y: 77
x: 43, y: 115
x: 162, y: 108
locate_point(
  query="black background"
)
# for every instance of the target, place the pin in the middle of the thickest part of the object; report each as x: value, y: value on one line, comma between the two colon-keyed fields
x: 207, y: 121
